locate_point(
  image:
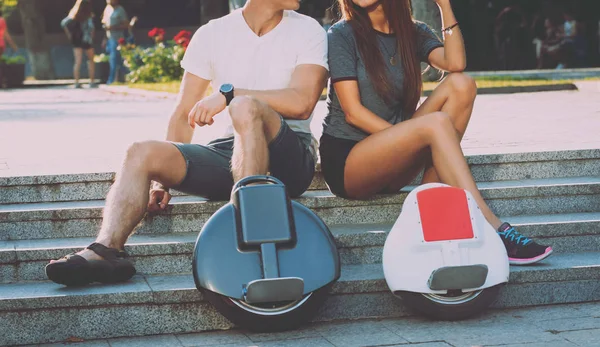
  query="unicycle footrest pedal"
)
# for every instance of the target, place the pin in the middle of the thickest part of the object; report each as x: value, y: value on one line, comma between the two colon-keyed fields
x: 274, y: 290
x: 458, y: 277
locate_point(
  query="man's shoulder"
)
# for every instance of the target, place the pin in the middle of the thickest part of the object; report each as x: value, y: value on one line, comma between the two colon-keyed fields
x: 303, y: 21
x: 225, y: 20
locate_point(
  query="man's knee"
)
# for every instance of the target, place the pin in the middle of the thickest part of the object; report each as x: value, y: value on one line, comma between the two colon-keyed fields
x: 138, y: 154
x: 463, y: 84
x: 245, y: 111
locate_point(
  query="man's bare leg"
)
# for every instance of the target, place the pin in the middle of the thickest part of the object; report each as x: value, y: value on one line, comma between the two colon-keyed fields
x: 127, y: 200
x: 255, y: 125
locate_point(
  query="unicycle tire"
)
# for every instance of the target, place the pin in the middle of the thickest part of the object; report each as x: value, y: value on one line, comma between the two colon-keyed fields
x: 449, y: 308
x: 268, y: 320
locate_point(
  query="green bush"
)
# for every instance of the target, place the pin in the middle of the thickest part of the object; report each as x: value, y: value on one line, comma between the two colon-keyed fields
x: 12, y: 60
x: 101, y: 58
x: 159, y: 63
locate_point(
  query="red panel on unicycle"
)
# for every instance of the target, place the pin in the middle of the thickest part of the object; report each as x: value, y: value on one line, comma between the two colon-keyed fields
x: 444, y: 214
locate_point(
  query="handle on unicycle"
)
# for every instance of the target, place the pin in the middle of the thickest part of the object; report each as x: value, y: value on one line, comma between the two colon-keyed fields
x: 256, y: 179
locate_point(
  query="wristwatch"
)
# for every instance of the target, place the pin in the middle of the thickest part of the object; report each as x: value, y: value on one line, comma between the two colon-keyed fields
x: 227, y: 90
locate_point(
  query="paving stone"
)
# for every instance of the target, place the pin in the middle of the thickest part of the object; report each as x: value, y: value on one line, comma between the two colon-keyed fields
x: 554, y: 343
x: 159, y: 340
x: 95, y: 343
x: 363, y: 333
x: 543, y: 313
x: 214, y: 338
x: 315, y: 341
x: 470, y: 332
x: 587, y: 338
x: 308, y: 331
x: 590, y: 309
x: 567, y: 324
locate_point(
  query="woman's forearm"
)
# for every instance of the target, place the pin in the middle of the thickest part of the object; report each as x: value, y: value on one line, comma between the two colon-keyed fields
x: 454, y: 46
x: 360, y: 117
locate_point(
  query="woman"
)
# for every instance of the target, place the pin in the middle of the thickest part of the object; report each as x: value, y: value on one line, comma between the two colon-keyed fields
x: 79, y: 28
x: 115, y: 23
x: 374, y: 138
x: 5, y: 36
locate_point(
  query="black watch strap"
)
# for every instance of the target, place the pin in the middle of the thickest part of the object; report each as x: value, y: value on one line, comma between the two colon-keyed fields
x: 228, y: 91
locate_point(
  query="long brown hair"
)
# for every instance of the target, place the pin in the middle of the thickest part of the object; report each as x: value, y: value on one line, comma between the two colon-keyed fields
x: 81, y: 11
x: 399, y: 16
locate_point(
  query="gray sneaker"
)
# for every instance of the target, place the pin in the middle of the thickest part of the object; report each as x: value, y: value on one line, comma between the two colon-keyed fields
x: 93, y: 85
x: 77, y: 86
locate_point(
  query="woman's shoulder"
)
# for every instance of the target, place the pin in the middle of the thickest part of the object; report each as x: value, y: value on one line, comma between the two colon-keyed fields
x: 421, y: 26
x: 342, y: 27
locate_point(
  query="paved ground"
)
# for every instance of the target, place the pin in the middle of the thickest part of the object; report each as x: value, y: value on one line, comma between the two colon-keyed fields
x: 550, y: 326
x: 61, y: 130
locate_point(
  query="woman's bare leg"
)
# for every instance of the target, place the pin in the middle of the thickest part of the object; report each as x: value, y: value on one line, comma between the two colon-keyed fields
x: 456, y: 95
x: 382, y: 157
x: 91, y: 64
x: 78, y: 53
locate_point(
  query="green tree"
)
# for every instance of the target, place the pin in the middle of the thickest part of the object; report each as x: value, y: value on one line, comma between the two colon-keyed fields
x: 34, y: 27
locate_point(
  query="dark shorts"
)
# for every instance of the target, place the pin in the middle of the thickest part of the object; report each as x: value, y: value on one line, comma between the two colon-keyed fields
x: 334, y: 152
x: 81, y: 44
x: 209, y: 167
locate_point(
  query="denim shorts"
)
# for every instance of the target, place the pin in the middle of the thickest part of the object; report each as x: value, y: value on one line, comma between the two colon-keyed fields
x: 209, y: 166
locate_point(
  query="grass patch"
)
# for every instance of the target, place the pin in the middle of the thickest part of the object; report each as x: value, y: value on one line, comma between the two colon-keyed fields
x: 169, y: 87
x: 173, y: 87
x: 494, y: 83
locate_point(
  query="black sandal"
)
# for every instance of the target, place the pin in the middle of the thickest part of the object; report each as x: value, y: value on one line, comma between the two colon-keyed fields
x: 74, y: 270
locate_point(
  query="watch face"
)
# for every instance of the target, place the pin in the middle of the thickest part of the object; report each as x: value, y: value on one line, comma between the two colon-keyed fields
x: 226, y: 88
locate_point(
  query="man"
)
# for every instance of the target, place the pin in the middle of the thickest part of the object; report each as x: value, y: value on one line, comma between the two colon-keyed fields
x: 265, y: 63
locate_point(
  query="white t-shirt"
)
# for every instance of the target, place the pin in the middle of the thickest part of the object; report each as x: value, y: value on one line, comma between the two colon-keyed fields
x: 226, y: 50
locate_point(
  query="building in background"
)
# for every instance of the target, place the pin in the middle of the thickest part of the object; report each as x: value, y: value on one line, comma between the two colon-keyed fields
x: 499, y: 34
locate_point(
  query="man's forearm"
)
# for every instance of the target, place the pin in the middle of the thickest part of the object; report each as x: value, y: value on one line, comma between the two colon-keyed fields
x: 287, y: 102
x: 179, y: 130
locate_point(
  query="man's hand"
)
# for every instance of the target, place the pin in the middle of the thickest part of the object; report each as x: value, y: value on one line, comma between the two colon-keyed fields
x: 203, y: 112
x: 159, y: 198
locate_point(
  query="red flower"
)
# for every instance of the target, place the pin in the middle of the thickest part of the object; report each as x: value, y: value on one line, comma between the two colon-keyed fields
x: 183, y: 34
x: 185, y: 42
x: 122, y: 41
x: 183, y: 38
x: 156, y: 32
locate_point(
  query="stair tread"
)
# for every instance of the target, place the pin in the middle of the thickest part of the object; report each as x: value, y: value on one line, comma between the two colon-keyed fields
x: 171, y: 288
x: 355, y: 235
x: 472, y: 159
x: 314, y: 197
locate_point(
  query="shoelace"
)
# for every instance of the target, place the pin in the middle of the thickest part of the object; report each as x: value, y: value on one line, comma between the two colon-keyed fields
x: 515, y: 236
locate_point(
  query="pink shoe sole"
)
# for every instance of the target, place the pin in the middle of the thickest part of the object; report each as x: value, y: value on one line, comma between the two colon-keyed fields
x: 515, y: 261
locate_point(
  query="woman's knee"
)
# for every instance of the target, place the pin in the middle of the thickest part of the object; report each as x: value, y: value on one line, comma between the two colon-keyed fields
x: 245, y: 112
x: 437, y: 123
x: 463, y: 84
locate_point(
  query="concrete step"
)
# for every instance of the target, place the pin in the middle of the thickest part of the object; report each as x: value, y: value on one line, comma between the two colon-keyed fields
x: 188, y: 214
x: 24, y: 260
x: 39, y: 312
x: 95, y: 186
